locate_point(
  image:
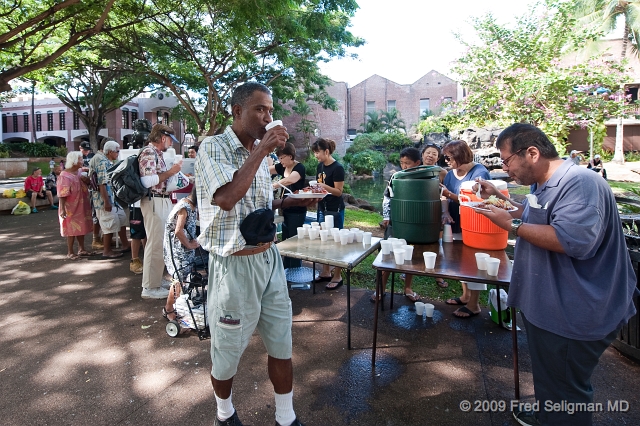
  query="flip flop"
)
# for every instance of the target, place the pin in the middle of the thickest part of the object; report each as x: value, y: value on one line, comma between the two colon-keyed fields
x: 414, y: 297
x: 322, y: 279
x: 127, y: 250
x: 84, y: 253
x: 456, y: 301
x: 442, y: 283
x: 334, y: 286
x: 73, y: 257
x: 113, y: 256
x: 372, y: 299
x: 467, y: 311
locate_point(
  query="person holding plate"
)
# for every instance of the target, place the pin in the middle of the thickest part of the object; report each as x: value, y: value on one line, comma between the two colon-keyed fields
x: 459, y: 158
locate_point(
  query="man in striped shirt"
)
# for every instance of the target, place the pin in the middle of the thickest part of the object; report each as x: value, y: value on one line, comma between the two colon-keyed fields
x: 247, y: 285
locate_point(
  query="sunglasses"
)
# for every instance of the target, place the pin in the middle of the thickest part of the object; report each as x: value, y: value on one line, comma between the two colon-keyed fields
x: 447, y: 158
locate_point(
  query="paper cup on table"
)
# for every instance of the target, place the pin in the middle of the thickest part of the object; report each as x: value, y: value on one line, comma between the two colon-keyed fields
x: 301, y: 232
x: 385, y: 247
x: 480, y: 261
x: 273, y: 124
x: 344, y: 238
x: 354, y: 229
x: 366, y: 238
x: 352, y: 237
x: 408, y: 252
x: 447, y: 235
x: 315, y: 224
x: 313, y: 182
x: 359, y: 236
x: 398, y: 255
x: 493, y: 265
x: 324, y: 235
x: 419, y: 308
x: 329, y: 220
x: 428, y: 309
x: 429, y: 259
x: 306, y: 226
x: 396, y: 245
x: 314, y: 233
x: 324, y: 225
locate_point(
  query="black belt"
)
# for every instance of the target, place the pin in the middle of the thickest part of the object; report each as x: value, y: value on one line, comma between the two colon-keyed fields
x: 161, y: 195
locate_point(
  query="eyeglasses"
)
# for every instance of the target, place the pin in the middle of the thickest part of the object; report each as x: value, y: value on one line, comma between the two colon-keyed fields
x: 505, y: 162
x: 447, y: 158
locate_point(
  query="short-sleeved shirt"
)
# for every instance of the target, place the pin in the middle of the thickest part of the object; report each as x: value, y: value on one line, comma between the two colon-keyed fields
x: 218, y: 159
x: 152, y: 163
x: 33, y: 183
x: 296, y: 186
x: 100, y: 164
x: 453, y: 185
x: 329, y: 175
x: 586, y: 292
x: 51, y: 181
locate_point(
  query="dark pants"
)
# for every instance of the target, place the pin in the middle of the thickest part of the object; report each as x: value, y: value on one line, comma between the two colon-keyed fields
x: 562, y: 370
x: 290, y: 228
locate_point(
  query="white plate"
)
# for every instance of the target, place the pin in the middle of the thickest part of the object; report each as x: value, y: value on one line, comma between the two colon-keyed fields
x: 308, y: 195
x: 474, y: 205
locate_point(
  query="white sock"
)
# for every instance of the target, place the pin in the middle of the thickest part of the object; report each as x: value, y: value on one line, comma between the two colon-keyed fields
x: 284, y: 409
x: 225, y: 407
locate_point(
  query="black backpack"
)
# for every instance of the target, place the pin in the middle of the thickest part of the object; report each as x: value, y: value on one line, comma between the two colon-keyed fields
x: 125, y: 181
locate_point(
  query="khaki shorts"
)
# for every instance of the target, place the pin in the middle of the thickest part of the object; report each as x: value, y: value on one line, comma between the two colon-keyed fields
x: 111, y: 222
x: 247, y: 293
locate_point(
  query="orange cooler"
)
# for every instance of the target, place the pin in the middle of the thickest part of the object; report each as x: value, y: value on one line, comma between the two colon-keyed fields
x: 478, y: 231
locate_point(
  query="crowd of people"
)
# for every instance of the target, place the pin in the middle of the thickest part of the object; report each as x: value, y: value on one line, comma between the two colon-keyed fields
x: 563, y: 251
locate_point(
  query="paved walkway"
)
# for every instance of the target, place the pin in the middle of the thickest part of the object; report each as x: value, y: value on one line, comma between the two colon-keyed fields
x: 79, y: 346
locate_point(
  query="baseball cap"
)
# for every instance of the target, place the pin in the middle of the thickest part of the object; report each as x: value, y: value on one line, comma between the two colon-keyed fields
x: 596, y: 156
x: 171, y: 136
x: 85, y: 145
x: 574, y: 152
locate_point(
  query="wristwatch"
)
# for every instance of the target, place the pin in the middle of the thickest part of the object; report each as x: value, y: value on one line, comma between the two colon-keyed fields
x: 515, y: 224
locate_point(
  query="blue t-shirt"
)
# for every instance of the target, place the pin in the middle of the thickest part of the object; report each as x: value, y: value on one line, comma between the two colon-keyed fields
x: 453, y: 184
x: 586, y: 292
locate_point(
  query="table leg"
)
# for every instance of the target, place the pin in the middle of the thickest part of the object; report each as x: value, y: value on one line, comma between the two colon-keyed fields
x: 375, y: 318
x: 348, y: 309
x: 313, y: 277
x: 514, y: 342
x: 393, y: 284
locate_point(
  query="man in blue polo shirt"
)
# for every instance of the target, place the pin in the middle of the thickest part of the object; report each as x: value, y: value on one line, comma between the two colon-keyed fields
x: 572, y: 277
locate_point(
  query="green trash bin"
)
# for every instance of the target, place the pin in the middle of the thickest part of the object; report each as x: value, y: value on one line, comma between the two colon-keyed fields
x: 415, y: 204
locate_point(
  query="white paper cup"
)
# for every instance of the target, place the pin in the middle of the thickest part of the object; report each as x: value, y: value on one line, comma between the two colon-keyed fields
x: 385, y: 247
x: 493, y: 264
x: 344, y: 238
x: 396, y: 245
x: 315, y: 224
x: 306, y: 226
x: 301, y: 232
x: 273, y: 124
x: 398, y: 255
x: 354, y: 229
x: 429, y: 259
x: 352, y: 237
x: 329, y: 220
x: 324, y: 235
x: 314, y: 233
x: 480, y: 261
x: 324, y: 225
x: 419, y: 308
x: 404, y: 242
x: 428, y: 309
x: 447, y: 235
x: 313, y: 182
x: 366, y: 238
x: 359, y: 236
x: 408, y: 252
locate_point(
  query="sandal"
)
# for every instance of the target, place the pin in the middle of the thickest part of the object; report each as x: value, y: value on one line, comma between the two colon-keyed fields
x: 333, y: 285
x: 73, y: 257
x: 373, y: 297
x: 84, y: 253
x: 322, y: 279
x: 414, y: 297
x: 166, y: 314
x: 455, y: 301
x: 442, y: 283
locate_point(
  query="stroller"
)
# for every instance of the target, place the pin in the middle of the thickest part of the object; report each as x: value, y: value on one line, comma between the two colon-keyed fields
x: 191, y: 304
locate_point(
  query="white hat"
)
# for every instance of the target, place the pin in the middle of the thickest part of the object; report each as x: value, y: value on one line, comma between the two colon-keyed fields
x: 597, y: 156
x: 574, y: 152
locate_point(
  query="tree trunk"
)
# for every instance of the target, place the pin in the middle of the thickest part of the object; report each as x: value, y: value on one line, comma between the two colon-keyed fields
x: 618, y: 154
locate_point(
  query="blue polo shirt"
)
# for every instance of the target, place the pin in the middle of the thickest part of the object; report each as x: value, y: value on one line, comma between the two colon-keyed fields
x: 586, y: 292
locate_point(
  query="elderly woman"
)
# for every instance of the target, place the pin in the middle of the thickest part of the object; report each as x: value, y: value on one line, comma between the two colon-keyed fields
x: 75, y: 207
x: 459, y: 158
x: 293, y: 174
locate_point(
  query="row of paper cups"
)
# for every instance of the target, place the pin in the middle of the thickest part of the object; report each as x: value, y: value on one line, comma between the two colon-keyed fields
x: 343, y: 236
x: 487, y: 263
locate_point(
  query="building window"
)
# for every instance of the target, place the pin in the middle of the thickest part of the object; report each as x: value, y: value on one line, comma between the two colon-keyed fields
x: 424, y: 106
x: 25, y: 116
x: 391, y: 105
x: 159, y: 115
x: 166, y: 119
x: 125, y: 118
x: 63, y: 125
x: 4, y: 124
x: 371, y: 106
x: 38, y: 122
x: 15, y: 122
x: 50, y: 121
x: 134, y: 115
x: 76, y: 121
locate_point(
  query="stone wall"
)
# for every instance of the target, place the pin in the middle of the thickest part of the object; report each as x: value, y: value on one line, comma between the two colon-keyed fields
x: 13, y: 166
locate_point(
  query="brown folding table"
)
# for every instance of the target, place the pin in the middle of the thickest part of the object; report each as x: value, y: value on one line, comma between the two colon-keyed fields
x: 454, y: 261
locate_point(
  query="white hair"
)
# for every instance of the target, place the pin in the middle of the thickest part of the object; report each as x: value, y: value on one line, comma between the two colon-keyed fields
x: 73, y: 158
x: 110, y: 146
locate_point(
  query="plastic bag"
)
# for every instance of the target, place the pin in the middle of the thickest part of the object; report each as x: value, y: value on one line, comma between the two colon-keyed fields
x: 177, y: 182
x: 21, y: 208
x: 20, y: 193
x: 9, y: 193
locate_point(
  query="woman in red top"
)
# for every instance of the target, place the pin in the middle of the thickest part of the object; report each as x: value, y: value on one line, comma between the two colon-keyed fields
x: 34, y: 187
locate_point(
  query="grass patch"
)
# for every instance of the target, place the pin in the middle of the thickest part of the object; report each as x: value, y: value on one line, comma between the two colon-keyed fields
x: 44, y: 165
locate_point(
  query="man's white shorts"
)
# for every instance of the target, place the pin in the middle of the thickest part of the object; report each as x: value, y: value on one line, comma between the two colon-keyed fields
x: 112, y: 221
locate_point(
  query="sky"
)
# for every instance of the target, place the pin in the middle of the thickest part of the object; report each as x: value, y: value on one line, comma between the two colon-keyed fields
x: 405, y: 39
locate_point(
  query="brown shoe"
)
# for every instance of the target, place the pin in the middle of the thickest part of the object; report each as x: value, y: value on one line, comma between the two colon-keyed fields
x: 97, y: 245
x: 135, y: 266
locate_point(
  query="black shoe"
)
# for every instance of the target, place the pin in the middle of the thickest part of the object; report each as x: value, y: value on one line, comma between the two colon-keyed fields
x: 526, y: 418
x: 296, y: 422
x: 231, y: 421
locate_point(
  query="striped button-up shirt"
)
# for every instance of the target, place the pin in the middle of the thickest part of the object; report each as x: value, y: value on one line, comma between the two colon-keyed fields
x: 218, y: 159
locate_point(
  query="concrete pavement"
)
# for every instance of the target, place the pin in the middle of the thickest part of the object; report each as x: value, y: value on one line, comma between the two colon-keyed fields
x: 79, y: 346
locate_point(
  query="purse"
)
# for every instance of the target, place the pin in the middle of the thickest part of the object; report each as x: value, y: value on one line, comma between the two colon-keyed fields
x: 258, y: 227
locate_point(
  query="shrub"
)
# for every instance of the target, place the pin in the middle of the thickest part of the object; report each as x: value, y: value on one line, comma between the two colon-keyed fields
x: 388, y: 142
x: 432, y: 124
x: 61, y: 151
x: 368, y: 161
x: 310, y: 164
x: 362, y: 142
x: 37, y: 149
x: 4, y: 151
x: 394, y: 158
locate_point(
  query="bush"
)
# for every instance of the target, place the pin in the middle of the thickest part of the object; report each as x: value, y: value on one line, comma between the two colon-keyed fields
x: 388, y: 142
x: 394, y: 158
x: 4, y: 151
x: 362, y: 142
x: 37, y: 149
x: 368, y: 161
x: 62, y: 151
x: 310, y: 164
